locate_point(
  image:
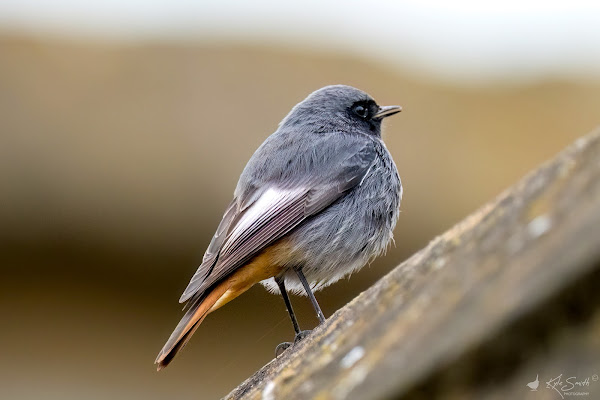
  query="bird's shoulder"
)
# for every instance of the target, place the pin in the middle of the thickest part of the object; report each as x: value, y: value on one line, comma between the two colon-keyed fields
x: 289, y: 158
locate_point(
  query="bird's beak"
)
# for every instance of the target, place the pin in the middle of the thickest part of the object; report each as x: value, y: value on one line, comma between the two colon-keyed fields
x: 386, y: 111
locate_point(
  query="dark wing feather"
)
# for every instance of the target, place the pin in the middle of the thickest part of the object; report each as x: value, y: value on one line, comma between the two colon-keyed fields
x: 212, y: 252
x: 277, y: 221
x: 278, y: 208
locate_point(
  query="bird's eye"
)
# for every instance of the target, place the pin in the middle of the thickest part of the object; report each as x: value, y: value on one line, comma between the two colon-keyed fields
x: 361, y: 111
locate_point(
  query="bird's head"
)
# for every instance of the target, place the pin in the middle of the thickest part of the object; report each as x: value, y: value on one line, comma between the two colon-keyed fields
x: 338, y: 108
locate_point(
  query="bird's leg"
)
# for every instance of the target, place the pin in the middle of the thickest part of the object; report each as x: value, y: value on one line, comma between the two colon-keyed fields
x: 281, y: 347
x: 288, y: 304
x: 286, y: 299
x: 310, y: 294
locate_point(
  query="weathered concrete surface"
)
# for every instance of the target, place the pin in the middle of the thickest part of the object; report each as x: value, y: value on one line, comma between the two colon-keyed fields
x: 510, y: 292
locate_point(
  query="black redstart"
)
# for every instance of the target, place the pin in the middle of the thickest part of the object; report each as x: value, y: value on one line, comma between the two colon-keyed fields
x: 316, y: 202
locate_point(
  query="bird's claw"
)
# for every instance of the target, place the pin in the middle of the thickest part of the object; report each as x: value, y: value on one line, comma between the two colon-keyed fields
x: 301, y: 335
x: 281, y: 347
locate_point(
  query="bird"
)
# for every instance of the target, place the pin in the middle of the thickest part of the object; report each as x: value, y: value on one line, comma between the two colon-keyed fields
x: 317, y: 201
x: 534, y: 385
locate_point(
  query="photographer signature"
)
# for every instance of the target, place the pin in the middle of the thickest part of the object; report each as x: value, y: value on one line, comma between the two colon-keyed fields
x: 570, y: 384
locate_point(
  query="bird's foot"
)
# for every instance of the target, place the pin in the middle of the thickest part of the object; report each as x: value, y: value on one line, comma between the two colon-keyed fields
x: 301, y: 335
x: 285, y: 345
x: 281, y: 347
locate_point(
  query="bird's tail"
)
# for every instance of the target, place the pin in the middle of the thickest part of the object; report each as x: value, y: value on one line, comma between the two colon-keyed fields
x: 189, y: 323
x: 261, y: 267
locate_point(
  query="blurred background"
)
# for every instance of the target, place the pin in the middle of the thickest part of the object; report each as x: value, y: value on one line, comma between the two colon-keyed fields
x: 124, y: 126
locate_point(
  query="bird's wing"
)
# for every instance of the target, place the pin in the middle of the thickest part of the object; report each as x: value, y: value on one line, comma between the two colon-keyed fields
x: 267, y: 214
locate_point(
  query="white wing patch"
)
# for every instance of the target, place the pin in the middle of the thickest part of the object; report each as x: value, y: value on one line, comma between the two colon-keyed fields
x: 265, y: 208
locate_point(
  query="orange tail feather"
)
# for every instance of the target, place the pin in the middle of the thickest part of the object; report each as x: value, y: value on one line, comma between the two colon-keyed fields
x: 261, y: 267
x: 188, y: 325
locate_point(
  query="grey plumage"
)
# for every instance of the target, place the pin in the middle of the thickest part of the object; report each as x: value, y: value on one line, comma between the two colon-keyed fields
x: 325, y: 183
x: 349, y: 233
x: 322, y: 147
